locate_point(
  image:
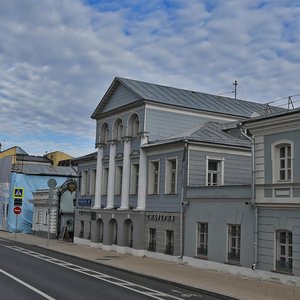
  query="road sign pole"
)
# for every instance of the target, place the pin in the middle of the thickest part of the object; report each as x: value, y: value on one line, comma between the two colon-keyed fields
x: 16, y: 226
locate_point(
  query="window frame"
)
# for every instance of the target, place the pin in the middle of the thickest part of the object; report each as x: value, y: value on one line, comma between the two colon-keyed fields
x: 169, y: 242
x: 152, y: 237
x: 277, y: 159
x: 219, y: 172
x: 234, y: 256
x: 169, y: 171
x: 205, y: 239
x: 153, y: 175
x: 288, y: 251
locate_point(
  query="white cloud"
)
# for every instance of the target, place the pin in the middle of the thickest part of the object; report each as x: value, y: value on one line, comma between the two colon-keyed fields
x: 57, y: 58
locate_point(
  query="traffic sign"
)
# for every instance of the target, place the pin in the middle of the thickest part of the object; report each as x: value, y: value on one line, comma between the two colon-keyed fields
x: 17, y: 210
x: 18, y: 193
x: 17, y: 202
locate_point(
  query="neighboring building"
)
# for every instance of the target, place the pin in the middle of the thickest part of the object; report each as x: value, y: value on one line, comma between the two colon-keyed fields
x: 56, y: 219
x: 277, y: 185
x: 26, y: 173
x: 156, y: 146
x: 58, y: 157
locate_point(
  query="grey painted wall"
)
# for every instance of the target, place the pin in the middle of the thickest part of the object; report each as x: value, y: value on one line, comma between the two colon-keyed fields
x: 218, y: 214
x: 164, y: 202
x: 237, y: 168
x: 120, y: 97
x: 163, y: 124
x: 270, y: 220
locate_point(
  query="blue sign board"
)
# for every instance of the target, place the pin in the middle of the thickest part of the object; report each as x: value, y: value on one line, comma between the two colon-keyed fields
x: 84, y: 202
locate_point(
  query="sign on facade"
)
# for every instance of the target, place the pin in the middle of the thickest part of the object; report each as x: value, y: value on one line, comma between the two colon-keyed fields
x: 19, y: 193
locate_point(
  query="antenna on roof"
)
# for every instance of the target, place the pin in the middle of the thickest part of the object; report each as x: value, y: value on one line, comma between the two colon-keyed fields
x: 235, y: 88
x: 290, y: 103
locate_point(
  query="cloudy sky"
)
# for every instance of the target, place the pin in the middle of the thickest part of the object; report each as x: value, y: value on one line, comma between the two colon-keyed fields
x: 57, y: 58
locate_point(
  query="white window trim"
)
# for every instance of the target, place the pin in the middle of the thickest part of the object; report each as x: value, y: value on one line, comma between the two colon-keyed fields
x: 275, y: 160
x: 167, y: 178
x: 219, y: 159
x: 151, y: 190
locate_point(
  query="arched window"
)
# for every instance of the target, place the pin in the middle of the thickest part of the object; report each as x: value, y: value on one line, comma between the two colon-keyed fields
x: 134, y: 125
x: 118, y: 130
x: 104, y: 133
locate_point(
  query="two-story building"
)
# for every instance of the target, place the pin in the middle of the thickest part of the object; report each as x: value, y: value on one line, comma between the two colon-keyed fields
x: 157, y: 145
x: 277, y: 191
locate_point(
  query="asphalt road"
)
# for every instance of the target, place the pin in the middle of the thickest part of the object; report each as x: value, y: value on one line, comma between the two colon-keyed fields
x: 29, y: 272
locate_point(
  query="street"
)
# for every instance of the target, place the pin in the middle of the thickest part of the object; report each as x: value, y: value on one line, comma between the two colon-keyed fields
x: 29, y: 272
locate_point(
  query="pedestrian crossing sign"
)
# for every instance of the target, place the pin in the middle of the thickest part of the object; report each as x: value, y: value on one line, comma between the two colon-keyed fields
x: 18, y: 193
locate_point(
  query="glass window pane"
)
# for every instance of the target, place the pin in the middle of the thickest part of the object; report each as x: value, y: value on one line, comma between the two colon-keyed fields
x: 282, y: 152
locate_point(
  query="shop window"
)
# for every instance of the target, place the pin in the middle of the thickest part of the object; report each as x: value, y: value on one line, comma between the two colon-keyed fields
x: 152, y: 239
x: 169, y: 242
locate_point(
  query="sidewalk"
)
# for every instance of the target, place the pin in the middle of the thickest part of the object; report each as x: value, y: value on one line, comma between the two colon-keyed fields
x: 215, y: 282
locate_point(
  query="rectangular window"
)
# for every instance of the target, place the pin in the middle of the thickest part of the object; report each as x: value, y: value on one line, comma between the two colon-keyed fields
x: 152, y: 239
x: 84, y: 190
x: 169, y: 242
x: 38, y: 215
x: 202, y: 239
x: 171, y: 176
x: 134, y: 179
x: 104, y: 181
x: 153, y: 186
x: 45, y: 217
x: 234, y: 242
x: 81, y: 232
x: 214, y: 172
x: 118, y: 181
x: 92, y: 181
x: 285, y: 163
x: 284, y: 243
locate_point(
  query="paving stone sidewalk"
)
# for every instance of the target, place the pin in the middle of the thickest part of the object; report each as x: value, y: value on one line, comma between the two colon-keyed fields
x: 215, y: 282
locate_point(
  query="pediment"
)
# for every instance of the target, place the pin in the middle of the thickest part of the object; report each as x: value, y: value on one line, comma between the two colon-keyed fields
x: 116, y: 96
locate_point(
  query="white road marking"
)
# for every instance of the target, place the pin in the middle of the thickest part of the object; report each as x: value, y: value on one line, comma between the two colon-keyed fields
x: 27, y: 285
x: 100, y: 276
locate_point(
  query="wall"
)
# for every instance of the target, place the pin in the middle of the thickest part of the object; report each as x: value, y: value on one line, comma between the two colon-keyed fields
x: 218, y: 214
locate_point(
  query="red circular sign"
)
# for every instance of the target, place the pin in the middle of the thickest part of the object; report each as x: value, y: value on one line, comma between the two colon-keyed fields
x: 17, y: 210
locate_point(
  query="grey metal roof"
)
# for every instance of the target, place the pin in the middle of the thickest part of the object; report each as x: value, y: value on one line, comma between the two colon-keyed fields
x: 209, y: 132
x: 39, y: 169
x: 186, y: 98
x: 87, y: 157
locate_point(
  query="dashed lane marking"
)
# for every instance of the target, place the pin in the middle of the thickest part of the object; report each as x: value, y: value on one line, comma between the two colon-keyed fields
x: 100, y: 276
